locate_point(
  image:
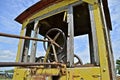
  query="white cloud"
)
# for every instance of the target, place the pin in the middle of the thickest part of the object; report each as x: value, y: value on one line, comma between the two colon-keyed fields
x: 8, y: 41
x: 40, y: 53
x: 9, y: 10
x: 115, y: 33
x: 7, y: 56
x: 84, y: 55
x: 81, y: 48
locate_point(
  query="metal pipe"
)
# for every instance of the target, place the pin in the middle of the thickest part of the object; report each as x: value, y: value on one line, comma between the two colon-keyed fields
x: 22, y: 37
x: 22, y: 64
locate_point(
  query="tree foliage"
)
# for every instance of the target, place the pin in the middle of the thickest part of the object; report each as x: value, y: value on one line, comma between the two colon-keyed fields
x: 118, y: 65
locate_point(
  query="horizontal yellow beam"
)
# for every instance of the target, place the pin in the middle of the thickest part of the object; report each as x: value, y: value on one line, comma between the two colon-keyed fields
x: 90, y: 1
x: 49, y: 9
x: 84, y: 73
x: 49, y: 71
x: 54, y: 7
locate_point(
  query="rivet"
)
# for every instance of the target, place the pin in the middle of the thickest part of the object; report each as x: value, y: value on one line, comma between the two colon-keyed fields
x: 104, y: 70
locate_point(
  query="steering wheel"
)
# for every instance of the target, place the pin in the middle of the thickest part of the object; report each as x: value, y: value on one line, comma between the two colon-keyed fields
x: 79, y: 61
x: 57, y: 43
x: 40, y: 59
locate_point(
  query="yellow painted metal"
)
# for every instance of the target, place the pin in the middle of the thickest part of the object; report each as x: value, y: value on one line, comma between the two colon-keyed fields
x: 49, y: 9
x: 54, y: 7
x: 65, y: 16
x: 21, y: 74
x: 47, y: 53
x: 34, y: 73
x: 20, y: 45
x: 25, y: 23
x: 85, y: 73
x: 90, y: 1
x: 102, y: 49
x: 49, y: 71
x: 19, y: 55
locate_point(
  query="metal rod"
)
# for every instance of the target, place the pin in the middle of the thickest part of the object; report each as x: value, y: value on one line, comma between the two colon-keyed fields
x: 22, y: 64
x: 22, y: 37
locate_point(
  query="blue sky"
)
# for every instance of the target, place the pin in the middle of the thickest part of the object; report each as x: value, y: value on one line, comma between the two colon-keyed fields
x: 10, y: 9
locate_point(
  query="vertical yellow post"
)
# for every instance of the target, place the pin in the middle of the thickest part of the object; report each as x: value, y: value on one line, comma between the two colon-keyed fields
x: 20, y: 45
x: 19, y: 52
x: 102, y: 49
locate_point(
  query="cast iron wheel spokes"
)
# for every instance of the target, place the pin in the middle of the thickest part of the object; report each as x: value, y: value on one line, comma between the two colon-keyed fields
x: 57, y: 42
x: 40, y: 59
x: 79, y: 61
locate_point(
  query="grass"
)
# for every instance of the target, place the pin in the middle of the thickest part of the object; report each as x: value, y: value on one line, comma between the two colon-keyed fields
x: 5, y: 79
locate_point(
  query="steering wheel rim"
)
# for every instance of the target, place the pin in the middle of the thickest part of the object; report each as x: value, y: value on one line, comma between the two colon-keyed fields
x: 40, y: 59
x: 79, y: 62
x: 56, y: 36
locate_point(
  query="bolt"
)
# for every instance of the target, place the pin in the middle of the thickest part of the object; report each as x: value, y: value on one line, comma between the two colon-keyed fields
x: 81, y: 78
x: 104, y: 70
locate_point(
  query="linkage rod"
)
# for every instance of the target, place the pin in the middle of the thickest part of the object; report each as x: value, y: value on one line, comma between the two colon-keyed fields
x: 22, y: 37
x: 22, y: 64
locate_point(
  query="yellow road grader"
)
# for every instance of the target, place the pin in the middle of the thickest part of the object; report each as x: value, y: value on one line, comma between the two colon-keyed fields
x: 59, y: 22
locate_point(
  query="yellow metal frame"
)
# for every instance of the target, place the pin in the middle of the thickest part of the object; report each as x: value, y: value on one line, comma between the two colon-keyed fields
x: 90, y: 1
x: 86, y: 73
x: 49, y: 9
x: 54, y: 7
x: 21, y: 74
x: 22, y: 33
x: 102, y: 49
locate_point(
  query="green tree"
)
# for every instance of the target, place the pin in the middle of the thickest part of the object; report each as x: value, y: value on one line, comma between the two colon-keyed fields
x: 118, y: 65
